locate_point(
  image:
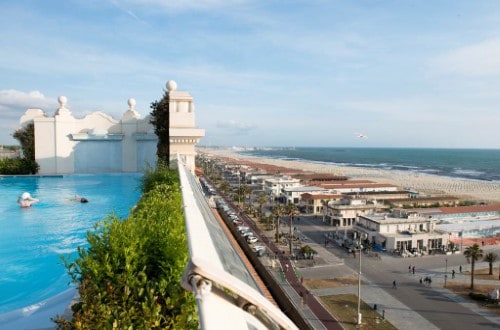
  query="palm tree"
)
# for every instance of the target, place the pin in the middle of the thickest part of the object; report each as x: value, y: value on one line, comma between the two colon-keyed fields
x: 291, y: 210
x: 490, y: 258
x: 473, y: 253
x: 224, y: 187
x: 278, y: 211
x: 261, y: 200
x: 245, y: 190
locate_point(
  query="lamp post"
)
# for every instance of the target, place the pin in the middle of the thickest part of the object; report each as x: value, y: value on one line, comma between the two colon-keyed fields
x: 445, y: 271
x: 324, y: 210
x: 359, y: 278
x: 239, y: 189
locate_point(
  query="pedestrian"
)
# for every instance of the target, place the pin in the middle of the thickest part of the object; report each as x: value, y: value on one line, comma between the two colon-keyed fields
x: 460, y: 269
x: 453, y: 273
x: 409, y: 269
x: 286, y: 268
x: 413, y: 269
x: 420, y: 281
x: 394, y: 284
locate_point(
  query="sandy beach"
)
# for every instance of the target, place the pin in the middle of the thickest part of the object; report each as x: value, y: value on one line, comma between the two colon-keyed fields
x: 423, y: 183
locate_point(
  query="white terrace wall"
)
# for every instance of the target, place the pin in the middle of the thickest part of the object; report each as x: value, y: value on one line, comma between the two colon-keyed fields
x: 98, y: 143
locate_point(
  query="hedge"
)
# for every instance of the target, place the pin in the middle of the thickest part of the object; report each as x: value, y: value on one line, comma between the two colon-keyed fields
x: 129, y: 275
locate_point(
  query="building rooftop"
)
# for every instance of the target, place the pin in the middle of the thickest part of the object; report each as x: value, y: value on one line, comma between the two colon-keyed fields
x: 304, y: 189
x: 458, y: 209
x: 308, y: 196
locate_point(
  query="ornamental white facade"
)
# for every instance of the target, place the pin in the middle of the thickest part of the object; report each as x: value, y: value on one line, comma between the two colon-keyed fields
x: 98, y: 143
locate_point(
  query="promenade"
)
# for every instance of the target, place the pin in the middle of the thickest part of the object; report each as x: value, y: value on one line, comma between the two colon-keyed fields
x: 411, y: 306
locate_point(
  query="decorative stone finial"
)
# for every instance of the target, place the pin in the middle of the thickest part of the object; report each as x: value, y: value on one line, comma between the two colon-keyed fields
x: 62, y: 101
x: 62, y: 110
x: 131, y: 114
x: 131, y: 104
x: 171, y: 85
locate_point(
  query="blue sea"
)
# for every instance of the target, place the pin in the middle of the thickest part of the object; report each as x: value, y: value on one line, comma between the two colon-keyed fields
x: 476, y: 164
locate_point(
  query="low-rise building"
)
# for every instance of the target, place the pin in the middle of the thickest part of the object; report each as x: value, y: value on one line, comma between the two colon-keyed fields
x: 429, y: 201
x: 356, y: 186
x: 403, y: 233
x: 293, y: 194
x: 316, y: 203
x: 276, y: 185
x: 386, y: 195
x: 344, y: 213
x: 465, y: 221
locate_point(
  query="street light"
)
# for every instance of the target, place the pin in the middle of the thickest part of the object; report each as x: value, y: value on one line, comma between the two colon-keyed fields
x: 361, y: 236
x: 445, y: 271
x: 239, y: 189
x: 324, y: 210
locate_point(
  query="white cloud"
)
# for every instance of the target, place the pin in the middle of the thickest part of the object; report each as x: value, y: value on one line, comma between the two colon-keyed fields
x: 480, y: 59
x: 13, y: 103
x: 235, y: 127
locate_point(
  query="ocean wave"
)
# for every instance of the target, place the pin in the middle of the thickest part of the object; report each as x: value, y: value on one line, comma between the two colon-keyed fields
x: 475, y: 164
x: 460, y: 171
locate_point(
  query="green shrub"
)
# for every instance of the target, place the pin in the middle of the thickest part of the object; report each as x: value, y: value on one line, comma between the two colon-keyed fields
x: 11, y: 166
x: 27, y: 164
x: 129, y: 275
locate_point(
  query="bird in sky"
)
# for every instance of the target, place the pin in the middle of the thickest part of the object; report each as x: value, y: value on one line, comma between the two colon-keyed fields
x: 361, y: 136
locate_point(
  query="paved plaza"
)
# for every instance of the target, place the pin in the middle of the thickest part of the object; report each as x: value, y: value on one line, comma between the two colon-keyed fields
x: 411, y: 305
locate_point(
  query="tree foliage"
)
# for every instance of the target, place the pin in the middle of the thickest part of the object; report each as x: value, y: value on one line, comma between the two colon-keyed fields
x: 26, y: 137
x: 160, y: 119
x: 27, y: 163
x: 473, y: 253
x: 129, y: 276
x: 490, y: 258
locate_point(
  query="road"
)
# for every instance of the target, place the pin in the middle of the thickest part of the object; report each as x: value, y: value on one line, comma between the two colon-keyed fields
x: 431, y: 304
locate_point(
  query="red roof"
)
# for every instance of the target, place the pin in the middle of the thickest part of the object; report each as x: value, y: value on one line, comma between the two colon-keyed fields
x: 355, y: 185
x: 307, y: 196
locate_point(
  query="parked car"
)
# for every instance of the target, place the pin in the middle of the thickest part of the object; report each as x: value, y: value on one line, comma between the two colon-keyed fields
x: 243, y: 228
x: 247, y: 233
x: 252, y: 239
x: 258, y: 248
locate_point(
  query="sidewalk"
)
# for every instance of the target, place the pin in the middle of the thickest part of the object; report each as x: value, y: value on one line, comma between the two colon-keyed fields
x: 439, y: 287
x: 397, y: 313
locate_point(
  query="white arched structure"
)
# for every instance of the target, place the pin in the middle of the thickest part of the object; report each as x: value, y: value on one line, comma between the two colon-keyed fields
x: 98, y: 143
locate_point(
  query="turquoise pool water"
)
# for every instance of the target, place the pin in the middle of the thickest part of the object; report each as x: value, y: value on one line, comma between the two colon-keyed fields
x: 33, y: 239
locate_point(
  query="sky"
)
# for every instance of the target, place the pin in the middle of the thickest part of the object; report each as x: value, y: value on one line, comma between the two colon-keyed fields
x: 326, y: 73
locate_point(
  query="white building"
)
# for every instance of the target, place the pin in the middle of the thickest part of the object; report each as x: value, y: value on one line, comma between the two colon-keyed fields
x: 343, y: 214
x: 357, y: 186
x: 293, y: 195
x: 275, y: 186
x: 98, y: 143
x: 405, y: 233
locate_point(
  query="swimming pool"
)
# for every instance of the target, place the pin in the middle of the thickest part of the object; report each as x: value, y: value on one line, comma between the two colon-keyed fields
x: 33, y: 239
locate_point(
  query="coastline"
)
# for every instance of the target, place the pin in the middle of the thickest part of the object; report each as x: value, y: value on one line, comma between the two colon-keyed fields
x: 421, y: 182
